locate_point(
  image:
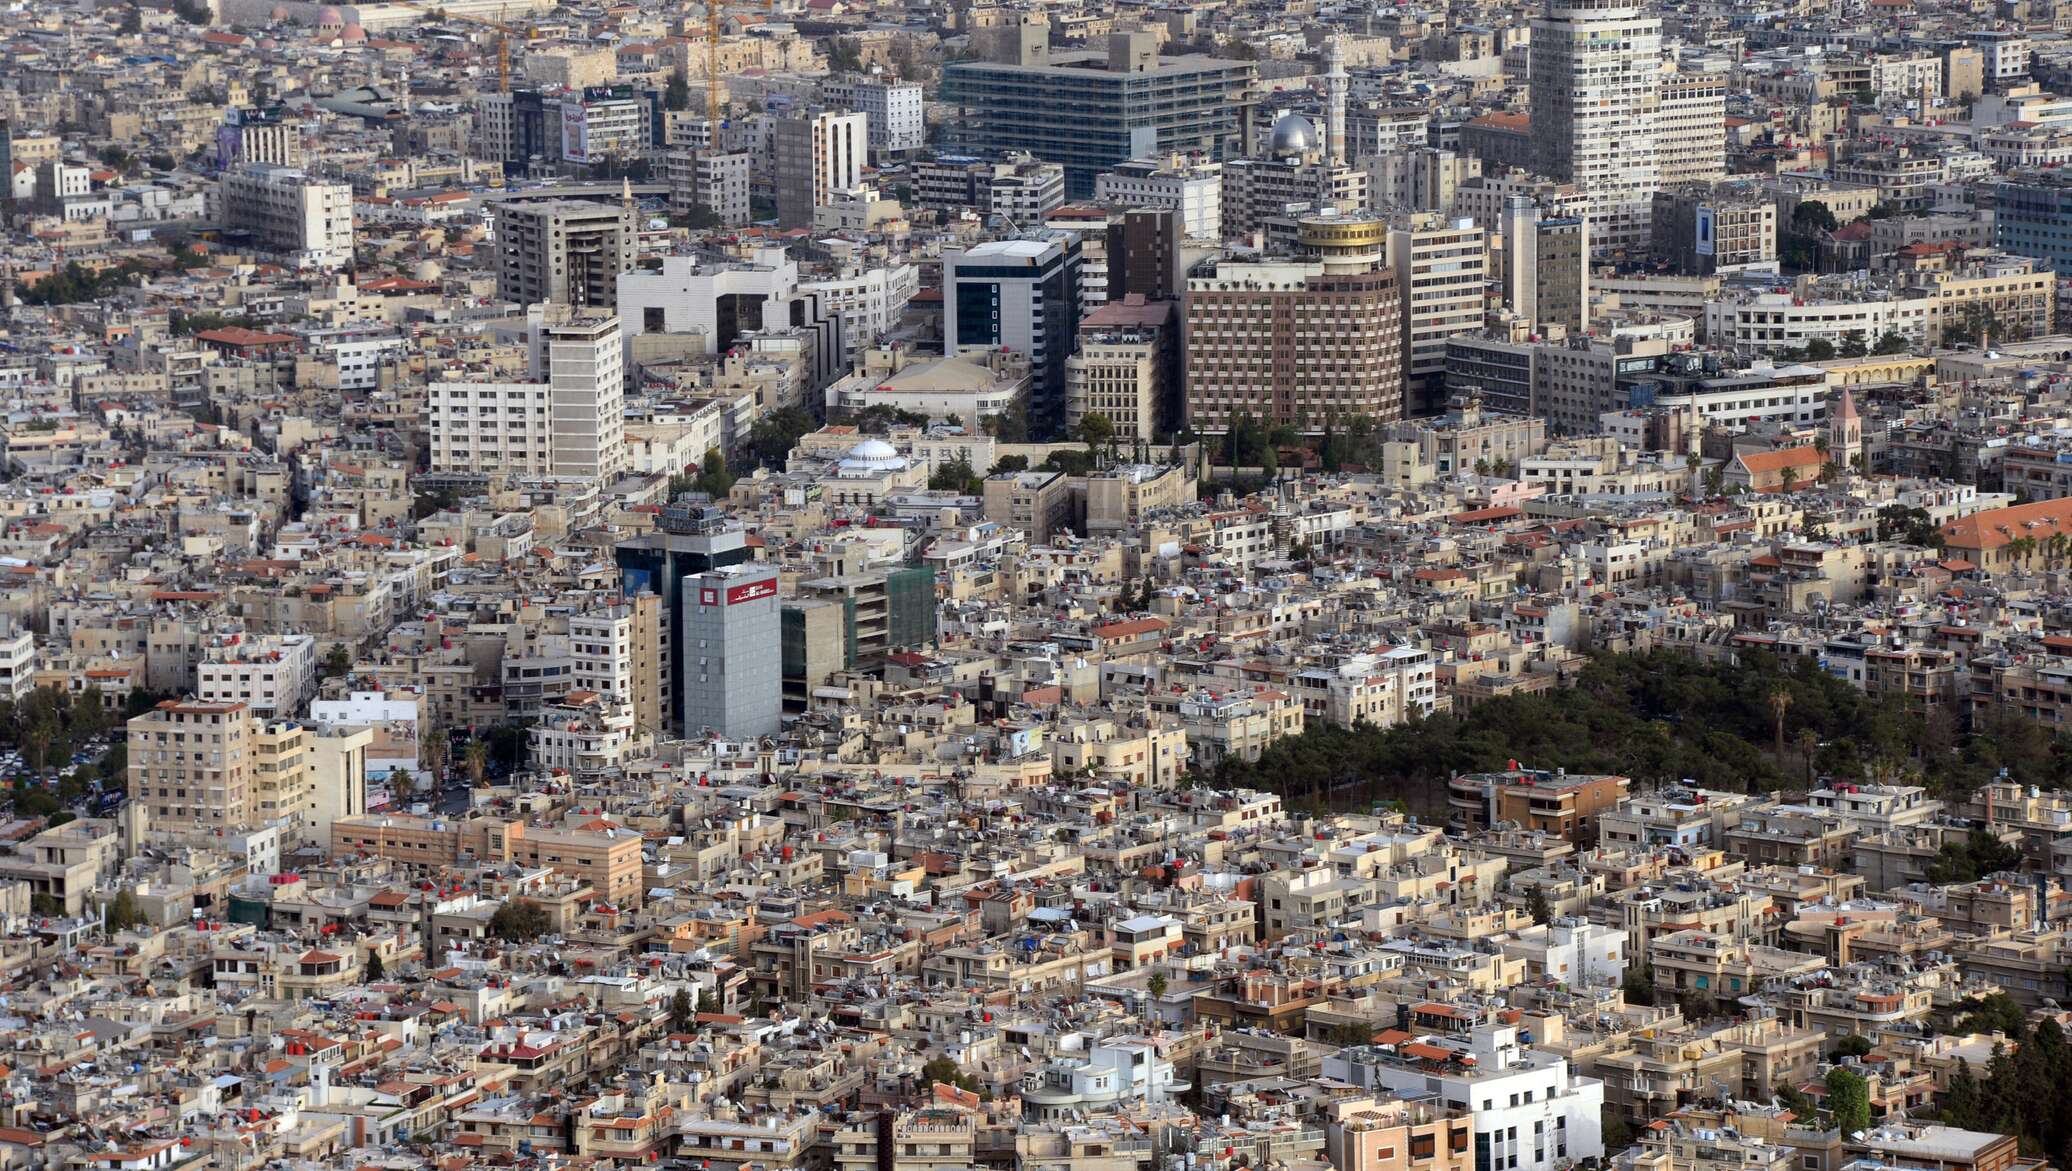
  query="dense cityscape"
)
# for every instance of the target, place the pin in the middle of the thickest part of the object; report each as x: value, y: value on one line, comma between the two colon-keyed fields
x: 828, y: 586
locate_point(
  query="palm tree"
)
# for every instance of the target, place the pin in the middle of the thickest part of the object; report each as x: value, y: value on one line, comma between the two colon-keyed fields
x: 1808, y: 741
x: 1788, y: 481
x: 475, y: 758
x: 1780, y: 702
x: 36, y: 745
x: 1715, y: 479
x: 433, y: 755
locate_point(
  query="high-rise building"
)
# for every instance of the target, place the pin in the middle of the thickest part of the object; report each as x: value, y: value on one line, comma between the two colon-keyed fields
x: 566, y: 419
x: 1024, y: 295
x: 617, y: 654
x: 563, y: 251
x: 1691, y: 127
x: 731, y: 674
x: 583, y: 363
x: 1295, y: 176
x: 1442, y: 275
x: 1543, y: 265
x: 1192, y: 189
x: 1596, y: 88
x: 258, y: 135
x: 892, y: 109
x: 307, y: 220
x: 190, y: 766
x: 1298, y: 340
x: 1016, y: 187
x: 687, y: 540
x: 1421, y: 178
x: 1091, y: 111
x: 816, y: 154
x: 716, y: 180
x: 1127, y: 368
x: 1144, y: 255
x: 283, y: 793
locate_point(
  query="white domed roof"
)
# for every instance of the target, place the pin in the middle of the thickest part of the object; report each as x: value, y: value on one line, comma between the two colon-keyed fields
x: 1293, y: 134
x: 871, y: 457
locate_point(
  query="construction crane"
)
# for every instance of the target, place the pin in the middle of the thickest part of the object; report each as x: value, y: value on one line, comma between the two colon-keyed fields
x: 503, y: 35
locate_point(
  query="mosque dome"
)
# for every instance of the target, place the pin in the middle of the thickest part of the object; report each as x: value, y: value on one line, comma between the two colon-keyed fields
x: 873, y: 455
x: 1293, y: 134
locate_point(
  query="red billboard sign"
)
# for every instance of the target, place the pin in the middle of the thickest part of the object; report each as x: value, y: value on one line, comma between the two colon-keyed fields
x: 766, y: 588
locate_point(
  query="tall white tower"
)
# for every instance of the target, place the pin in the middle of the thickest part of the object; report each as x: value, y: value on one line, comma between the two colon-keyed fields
x: 1596, y: 92
x: 1335, y: 85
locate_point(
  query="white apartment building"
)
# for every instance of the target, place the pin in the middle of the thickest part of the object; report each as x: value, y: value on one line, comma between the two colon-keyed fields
x: 1194, y: 189
x: 1442, y: 270
x: 2006, y: 53
x: 716, y: 180
x: 892, y: 111
x: 1116, y: 371
x: 1596, y: 79
x: 1691, y: 127
x: 868, y: 300
x: 816, y: 154
x: 583, y: 362
x: 601, y: 644
x: 1531, y: 1112
x: 272, y: 674
x: 17, y: 659
x: 567, y: 419
x: 585, y: 739
x: 308, y: 221
x: 721, y: 302
x: 1573, y: 951
x: 391, y: 727
x: 1766, y: 323
x: 1382, y: 688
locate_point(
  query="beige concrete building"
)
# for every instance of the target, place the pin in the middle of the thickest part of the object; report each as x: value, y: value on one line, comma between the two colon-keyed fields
x: 191, y: 766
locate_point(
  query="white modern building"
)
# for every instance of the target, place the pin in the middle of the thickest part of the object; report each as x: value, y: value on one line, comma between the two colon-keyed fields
x: 17, y: 659
x: 1531, y: 1112
x: 816, y: 154
x: 1596, y: 81
x: 1573, y: 951
x: 566, y: 419
x: 392, y: 725
x: 273, y: 674
x: 601, y: 643
x: 891, y: 109
x: 304, y: 219
x: 722, y: 300
x: 1114, y: 1073
x: 1192, y: 188
x: 868, y: 300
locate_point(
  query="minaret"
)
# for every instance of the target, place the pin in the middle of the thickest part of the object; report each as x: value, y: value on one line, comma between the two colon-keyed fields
x: 1335, y: 83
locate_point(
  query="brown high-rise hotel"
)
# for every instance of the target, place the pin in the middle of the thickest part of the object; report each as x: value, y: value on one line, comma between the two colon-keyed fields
x: 1298, y: 340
